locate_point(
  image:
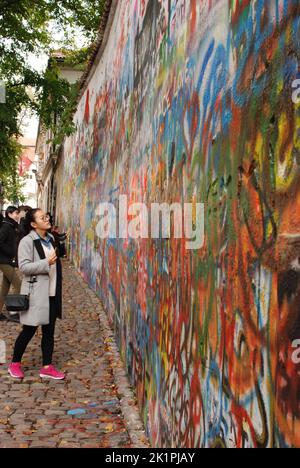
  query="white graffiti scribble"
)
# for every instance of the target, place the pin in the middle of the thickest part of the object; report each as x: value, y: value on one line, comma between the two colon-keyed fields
x: 296, y: 354
x: 296, y: 93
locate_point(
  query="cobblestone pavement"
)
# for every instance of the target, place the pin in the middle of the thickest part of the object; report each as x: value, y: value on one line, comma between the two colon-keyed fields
x: 94, y: 407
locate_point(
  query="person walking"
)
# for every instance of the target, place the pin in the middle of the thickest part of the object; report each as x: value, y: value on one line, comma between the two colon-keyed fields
x: 8, y: 255
x: 42, y: 281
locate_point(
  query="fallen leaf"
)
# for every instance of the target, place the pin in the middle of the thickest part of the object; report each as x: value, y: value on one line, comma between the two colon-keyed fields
x: 109, y: 428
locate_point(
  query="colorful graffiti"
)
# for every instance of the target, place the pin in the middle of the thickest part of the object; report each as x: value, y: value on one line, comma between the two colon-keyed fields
x: 192, y: 100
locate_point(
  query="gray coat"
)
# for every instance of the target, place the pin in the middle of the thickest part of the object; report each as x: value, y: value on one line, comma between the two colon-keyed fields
x: 32, y: 263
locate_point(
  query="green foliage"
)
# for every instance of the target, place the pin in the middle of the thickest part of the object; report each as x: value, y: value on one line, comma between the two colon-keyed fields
x: 32, y: 27
x: 13, y: 188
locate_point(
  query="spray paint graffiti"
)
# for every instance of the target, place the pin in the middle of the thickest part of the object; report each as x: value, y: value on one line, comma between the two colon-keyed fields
x: 192, y: 102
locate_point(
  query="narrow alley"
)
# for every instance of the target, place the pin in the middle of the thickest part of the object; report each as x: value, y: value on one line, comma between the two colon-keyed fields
x: 155, y: 144
x: 94, y: 407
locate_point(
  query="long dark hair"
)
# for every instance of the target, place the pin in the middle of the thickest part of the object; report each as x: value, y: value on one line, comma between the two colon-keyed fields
x: 29, y: 218
x: 10, y: 210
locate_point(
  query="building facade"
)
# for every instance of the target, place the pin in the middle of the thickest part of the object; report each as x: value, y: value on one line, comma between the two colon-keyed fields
x: 48, y: 154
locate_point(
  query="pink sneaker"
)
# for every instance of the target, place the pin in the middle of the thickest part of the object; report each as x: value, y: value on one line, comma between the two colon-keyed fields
x: 51, y: 373
x: 15, y: 370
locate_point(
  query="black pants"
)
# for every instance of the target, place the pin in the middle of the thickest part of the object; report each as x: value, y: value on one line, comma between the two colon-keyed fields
x: 47, y: 340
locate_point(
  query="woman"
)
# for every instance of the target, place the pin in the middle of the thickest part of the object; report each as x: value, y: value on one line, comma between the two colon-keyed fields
x: 8, y: 254
x: 43, y: 281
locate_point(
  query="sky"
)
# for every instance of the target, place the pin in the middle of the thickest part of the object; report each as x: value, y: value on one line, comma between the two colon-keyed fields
x: 31, y: 128
x: 31, y: 123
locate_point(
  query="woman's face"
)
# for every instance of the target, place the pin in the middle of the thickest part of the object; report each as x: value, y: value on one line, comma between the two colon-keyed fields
x: 41, y: 221
x: 15, y: 216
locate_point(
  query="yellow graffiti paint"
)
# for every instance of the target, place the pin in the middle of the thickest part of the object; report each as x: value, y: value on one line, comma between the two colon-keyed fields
x: 284, y: 170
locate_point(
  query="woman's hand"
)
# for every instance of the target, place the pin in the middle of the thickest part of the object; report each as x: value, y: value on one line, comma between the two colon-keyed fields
x: 52, y: 259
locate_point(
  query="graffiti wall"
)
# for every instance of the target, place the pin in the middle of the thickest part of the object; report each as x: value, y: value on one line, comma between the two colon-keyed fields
x: 192, y: 101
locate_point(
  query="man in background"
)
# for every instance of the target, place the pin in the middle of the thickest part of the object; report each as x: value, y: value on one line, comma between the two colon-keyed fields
x: 9, y: 233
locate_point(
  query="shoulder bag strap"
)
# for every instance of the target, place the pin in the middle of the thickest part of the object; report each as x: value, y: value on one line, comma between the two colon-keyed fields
x: 32, y: 278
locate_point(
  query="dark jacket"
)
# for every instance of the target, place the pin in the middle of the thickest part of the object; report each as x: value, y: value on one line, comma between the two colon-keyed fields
x: 60, y: 243
x: 8, y: 242
x: 22, y: 229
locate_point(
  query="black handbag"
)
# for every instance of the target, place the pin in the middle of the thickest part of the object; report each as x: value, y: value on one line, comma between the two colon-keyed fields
x: 20, y: 302
x: 17, y: 303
